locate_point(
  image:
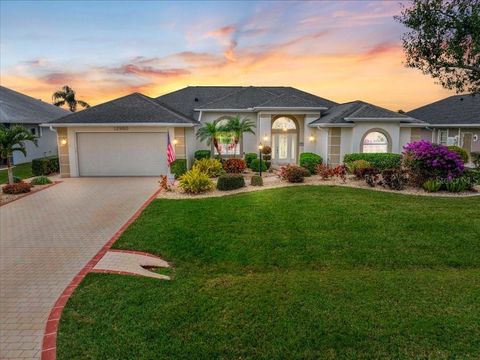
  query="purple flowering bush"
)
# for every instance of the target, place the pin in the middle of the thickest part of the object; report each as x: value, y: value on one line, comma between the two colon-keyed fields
x: 425, y: 161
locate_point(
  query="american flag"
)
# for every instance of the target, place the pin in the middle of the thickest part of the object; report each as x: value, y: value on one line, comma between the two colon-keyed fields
x: 170, y: 151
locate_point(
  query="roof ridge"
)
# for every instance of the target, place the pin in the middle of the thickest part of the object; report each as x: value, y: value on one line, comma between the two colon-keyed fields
x: 159, y: 103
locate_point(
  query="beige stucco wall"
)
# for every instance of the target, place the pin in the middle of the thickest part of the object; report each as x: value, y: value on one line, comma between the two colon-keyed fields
x: 63, y: 153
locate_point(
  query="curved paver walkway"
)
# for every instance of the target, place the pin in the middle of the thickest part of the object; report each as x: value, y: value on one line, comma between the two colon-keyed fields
x: 131, y: 263
x: 45, y: 240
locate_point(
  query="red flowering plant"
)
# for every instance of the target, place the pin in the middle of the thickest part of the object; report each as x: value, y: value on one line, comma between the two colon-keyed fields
x: 326, y: 172
x: 425, y: 160
x: 17, y: 188
x: 293, y: 173
x: 234, y: 166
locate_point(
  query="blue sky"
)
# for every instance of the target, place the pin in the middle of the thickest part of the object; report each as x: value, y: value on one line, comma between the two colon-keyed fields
x: 341, y: 50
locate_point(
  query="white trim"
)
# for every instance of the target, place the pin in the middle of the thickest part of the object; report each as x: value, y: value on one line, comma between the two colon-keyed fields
x: 329, y: 125
x: 262, y: 108
x: 455, y: 125
x: 376, y: 119
x: 414, y: 125
x: 118, y: 124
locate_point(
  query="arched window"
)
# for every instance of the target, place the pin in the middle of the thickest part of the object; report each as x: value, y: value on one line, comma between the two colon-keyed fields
x: 375, y: 142
x: 284, y: 123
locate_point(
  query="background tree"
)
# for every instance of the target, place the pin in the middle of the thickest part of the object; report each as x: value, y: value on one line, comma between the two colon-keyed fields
x: 11, y: 140
x: 210, y: 132
x: 237, y: 127
x: 66, y: 96
x: 443, y: 41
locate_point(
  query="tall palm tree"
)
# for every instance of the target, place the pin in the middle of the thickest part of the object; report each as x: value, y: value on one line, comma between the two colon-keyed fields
x: 210, y: 132
x: 67, y: 96
x: 13, y: 139
x: 237, y: 127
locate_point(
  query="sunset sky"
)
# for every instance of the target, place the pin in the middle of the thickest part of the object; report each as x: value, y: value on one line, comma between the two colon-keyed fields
x: 342, y: 50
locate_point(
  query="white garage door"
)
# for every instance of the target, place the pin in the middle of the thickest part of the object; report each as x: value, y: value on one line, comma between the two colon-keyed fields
x: 122, y: 154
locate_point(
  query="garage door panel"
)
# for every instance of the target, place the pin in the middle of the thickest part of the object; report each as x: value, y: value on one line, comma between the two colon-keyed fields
x: 122, y: 154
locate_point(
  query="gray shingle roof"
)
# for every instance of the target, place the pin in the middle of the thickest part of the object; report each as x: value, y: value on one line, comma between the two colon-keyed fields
x: 348, y: 112
x: 458, y: 109
x: 17, y: 108
x: 133, y: 108
x: 236, y: 97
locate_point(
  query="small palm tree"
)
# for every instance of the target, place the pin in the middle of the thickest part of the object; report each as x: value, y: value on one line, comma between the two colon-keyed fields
x: 237, y: 127
x: 11, y: 140
x: 66, y: 96
x: 210, y: 133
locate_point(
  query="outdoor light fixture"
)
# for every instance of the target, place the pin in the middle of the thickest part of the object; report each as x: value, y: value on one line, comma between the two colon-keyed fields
x: 63, y: 141
x: 175, y: 141
x: 265, y: 137
x: 311, y: 138
x: 260, y: 148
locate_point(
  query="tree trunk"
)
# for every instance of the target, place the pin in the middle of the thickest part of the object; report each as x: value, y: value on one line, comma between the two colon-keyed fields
x: 9, y: 170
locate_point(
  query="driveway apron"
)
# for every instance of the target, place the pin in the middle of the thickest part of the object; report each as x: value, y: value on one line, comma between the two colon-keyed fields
x: 46, y: 239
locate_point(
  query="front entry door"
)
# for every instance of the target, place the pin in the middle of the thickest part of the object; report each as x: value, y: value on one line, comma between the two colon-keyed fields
x: 467, y: 143
x: 284, y: 148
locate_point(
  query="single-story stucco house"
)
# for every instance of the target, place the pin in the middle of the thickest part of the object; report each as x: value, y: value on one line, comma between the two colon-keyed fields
x: 454, y: 120
x: 20, y: 109
x: 128, y: 136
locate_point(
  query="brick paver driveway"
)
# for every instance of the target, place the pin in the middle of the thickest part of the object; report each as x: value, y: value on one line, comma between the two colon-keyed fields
x: 46, y: 239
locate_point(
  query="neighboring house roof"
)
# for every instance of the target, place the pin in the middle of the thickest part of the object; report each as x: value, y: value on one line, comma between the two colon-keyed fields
x: 356, y: 111
x: 188, y: 99
x: 131, y: 109
x: 455, y: 110
x: 17, y: 108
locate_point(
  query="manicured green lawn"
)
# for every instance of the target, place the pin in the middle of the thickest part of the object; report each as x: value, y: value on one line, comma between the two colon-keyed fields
x: 23, y: 171
x: 299, y: 272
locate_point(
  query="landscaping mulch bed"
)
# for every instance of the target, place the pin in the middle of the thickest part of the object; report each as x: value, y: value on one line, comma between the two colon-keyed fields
x: 8, y: 198
x: 272, y: 181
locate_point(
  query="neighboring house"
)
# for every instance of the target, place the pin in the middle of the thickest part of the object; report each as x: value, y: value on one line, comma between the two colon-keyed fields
x: 454, y: 120
x: 20, y: 109
x: 128, y: 136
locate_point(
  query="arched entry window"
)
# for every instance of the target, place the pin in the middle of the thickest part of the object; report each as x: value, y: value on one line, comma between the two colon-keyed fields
x: 375, y: 142
x: 284, y: 123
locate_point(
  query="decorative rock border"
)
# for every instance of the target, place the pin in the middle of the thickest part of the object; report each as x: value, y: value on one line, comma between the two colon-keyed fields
x: 49, y: 345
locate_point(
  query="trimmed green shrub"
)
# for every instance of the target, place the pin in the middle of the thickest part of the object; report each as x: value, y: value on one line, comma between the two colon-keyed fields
x: 358, y: 164
x: 310, y: 161
x: 380, y: 161
x: 18, y: 188
x: 230, y: 182
x: 432, y: 185
x: 195, y: 182
x: 256, y: 180
x: 178, y: 167
x: 41, y: 180
x: 460, y: 151
x: 255, y: 163
x: 45, y: 166
x: 234, y: 166
x: 211, y: 167
x: 16, y: 179
x: 249, y: 157
x: 202, y: 154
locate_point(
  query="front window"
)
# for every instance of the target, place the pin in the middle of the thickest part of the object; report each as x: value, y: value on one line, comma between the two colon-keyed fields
x: 375, y: 142
x: 443, y: 137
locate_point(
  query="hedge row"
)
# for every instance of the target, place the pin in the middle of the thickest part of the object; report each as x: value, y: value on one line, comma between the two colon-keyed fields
x: 45, y: 166
x: 380, y: 161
